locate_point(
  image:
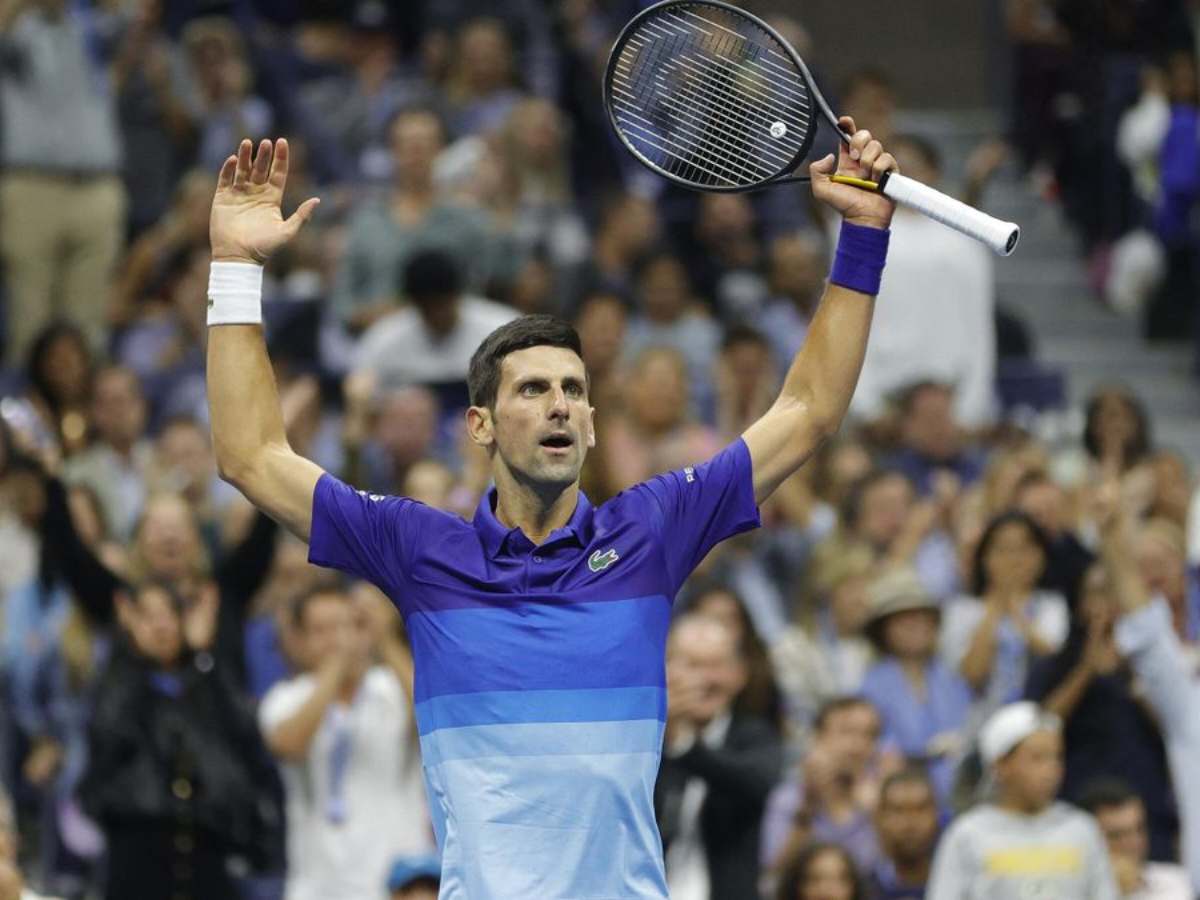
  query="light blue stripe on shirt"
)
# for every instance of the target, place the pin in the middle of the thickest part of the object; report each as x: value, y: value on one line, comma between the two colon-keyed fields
x: 513, y: 707
x: 542, y: 739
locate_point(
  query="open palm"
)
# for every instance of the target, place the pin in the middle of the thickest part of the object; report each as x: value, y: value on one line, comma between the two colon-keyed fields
x: 246, y: 224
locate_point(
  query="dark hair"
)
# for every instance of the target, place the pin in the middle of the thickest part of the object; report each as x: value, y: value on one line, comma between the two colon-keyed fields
x: 432, y: 275
x: 301, y: 603
x: 743, y: 334
x: 793, y: 871
x: 139, y: 588
x: 40, y: 349
x: 908, y: 394
x: 910, y: 774
x: 1139, y: 445
x: 836, y: 705
x: 852, y: 502
x: 761, y: 695
x: 925, y: 149
x: 1105, y: 793
x: 483, y: 378
x: 979, y: 577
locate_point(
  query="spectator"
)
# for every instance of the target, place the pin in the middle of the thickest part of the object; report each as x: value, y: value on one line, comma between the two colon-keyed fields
x: 1044, y: 500
x: 1172, y: 487
x: 880, y: 510
x: 383, y: 233
x: 655, y: 430
x: 923, y: 703
x: 118, y: 462
x: 1116, y: 433
x: 906, y: 821
x: 934, y: 319
x: 831, y: 795
x: 796, y: 277
x: 1121, y: 815
x: 344, y: 734
x: 628, y: 228
x: 431, y: 340
x: 1022, y: 843
x: 59, y: 375
x: 229, y: 110
x: 725, y: 258
x: 820, y: 872
x: 1107, y: 731
x: 992, y: 637
x: 931, y: 440
x: 1161, y: 558
x: 669, y: 316
x: 61, y: 197
x: 171, y: 775
x: 385, y: 433
x: 1145, y: 636
x: 746, y: 380
x: 414, y: 878
x: 481, y: 92
x: 718, y: 766
x: 824, y: 654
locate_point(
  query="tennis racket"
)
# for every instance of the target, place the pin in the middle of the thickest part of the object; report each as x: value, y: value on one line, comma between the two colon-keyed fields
x: 711, y: 97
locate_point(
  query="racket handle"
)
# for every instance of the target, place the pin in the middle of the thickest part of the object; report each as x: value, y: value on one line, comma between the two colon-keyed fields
x: 1000, y: 236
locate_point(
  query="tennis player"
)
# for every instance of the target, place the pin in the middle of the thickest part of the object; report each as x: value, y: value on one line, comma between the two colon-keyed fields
x: 538, y: 630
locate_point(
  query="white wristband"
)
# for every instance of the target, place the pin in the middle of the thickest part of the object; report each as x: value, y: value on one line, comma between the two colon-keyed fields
x: 235, y: 294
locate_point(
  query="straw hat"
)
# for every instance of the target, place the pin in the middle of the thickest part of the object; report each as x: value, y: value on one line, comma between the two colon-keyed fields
x: 897, y: 590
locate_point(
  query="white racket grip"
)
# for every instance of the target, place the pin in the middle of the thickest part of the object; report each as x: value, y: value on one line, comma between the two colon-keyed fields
x: 1000, y: 236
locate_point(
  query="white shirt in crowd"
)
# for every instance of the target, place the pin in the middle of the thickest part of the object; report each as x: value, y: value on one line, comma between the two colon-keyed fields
x: 1163, y: 881
x: 358, y: 799
x: 687, y: 859
x: 933, y: 320
x: 400, y: 349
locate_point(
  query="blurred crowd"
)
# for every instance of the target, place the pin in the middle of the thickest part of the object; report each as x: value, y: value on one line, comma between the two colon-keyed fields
x: 956, y: 655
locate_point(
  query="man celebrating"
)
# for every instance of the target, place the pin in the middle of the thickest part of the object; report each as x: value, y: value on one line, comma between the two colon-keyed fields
x: 538, y: 630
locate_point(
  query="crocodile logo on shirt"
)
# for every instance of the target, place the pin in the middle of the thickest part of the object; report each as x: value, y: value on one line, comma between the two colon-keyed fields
x: 598, y: 561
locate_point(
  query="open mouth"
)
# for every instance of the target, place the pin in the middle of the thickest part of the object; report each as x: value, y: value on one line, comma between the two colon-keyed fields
x: 557, y: 443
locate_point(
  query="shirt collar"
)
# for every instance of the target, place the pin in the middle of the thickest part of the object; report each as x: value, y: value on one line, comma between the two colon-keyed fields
x: 493, y: 533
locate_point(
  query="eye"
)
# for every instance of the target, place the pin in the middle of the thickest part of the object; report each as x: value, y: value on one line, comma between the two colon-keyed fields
x: 529, y: 390
x: 574, y: 390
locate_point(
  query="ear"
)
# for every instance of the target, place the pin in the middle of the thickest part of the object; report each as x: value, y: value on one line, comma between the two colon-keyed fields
x: 591, y: 427
x: 481, y: 426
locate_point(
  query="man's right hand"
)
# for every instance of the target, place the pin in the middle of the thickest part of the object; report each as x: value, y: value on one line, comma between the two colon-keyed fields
x: 246, y: 224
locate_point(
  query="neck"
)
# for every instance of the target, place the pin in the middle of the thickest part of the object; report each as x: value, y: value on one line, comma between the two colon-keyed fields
x: 913, y: 668
x: 414, y: 190
x: 1013, y: 804
x: 912, y: 871
x: 536, y: 509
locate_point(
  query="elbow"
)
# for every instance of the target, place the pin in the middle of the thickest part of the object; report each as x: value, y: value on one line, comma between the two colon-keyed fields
x: 232, y: 471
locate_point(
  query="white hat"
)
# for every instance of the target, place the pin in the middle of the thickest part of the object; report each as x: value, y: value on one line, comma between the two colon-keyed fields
x: 1010, y: 725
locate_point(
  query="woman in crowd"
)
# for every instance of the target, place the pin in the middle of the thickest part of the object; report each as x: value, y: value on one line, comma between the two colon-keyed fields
x: 820, y: 872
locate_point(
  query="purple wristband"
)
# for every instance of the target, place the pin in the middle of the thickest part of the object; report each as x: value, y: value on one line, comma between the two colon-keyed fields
x: 861, y: 253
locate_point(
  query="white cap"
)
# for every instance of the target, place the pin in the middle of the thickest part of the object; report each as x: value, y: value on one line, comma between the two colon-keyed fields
x: 1010, y: 725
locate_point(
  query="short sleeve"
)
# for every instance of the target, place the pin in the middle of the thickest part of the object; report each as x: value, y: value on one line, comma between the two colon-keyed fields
x: 697, y: 507
x: 281, y: 702
x: 1052, y: 620
x: 365, y: 535
x: 960, y: 618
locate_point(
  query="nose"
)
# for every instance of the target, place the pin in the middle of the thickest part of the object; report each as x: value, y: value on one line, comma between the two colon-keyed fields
x: 558, y: 404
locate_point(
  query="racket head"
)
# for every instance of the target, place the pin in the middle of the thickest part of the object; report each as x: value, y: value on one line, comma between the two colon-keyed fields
x: 710, y: 96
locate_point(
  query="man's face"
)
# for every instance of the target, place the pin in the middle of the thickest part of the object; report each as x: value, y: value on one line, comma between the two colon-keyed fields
x: 326, y: 627
x: 852, y: 734
x: 416, y: 141
x: 1124, y: 829
x: 797, y: 267
x: 929, y: 427
x: 1033, y: 772
x: 1043, y: 501
x: 885, y: 506
x: 407, y: 424
x: 703, y: 663
x: 118, y: 410
x: 907, y: 821
x: 541, y: 426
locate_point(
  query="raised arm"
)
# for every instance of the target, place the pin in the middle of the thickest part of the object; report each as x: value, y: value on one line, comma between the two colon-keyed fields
x: 820, y: 383
x: 251, y: 446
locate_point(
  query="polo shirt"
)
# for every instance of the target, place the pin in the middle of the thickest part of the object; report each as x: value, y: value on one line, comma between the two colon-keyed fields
x: 540, y: 685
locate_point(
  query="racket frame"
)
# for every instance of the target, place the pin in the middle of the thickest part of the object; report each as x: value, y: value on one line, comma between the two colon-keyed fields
x: 780, y: 177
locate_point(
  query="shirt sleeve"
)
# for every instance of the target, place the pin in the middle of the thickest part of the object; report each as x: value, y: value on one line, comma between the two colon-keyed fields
x: 281, y: 702
x: 361, y: 534
x: 960, y: 618
x: 1102, y: 884
x: 695, y: 508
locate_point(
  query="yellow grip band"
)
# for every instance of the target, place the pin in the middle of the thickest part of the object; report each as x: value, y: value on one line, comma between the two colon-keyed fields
x: 855, y: 182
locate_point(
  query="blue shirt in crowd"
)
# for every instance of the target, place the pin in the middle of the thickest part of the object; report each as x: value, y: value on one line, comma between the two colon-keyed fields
x: 540, y: 686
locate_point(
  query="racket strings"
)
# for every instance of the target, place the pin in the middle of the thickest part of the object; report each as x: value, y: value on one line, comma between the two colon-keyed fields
x: 707, y: 103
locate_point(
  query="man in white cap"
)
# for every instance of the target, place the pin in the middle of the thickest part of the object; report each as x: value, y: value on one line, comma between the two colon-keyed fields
x: 1022, y: 845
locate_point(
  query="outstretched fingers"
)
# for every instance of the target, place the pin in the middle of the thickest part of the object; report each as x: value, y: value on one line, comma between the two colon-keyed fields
x: 279, y: 167
x: 262, y: 163
x: 242, y: 174
x: 225, y: 177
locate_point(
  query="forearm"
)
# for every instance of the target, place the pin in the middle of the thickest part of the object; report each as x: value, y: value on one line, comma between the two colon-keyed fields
x: 243, y: 400
x: 823, y: 375
x: 1063, y: 699
x: 977, y: 662
x: 290, y: 738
